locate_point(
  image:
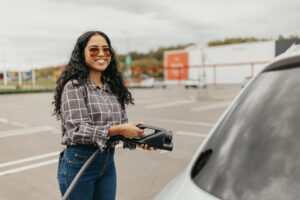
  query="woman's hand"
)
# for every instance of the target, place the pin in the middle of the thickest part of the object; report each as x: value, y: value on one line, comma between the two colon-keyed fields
x: 130, y: 130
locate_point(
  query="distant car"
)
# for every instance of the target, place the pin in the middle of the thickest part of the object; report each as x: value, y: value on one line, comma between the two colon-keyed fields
x: 253, y: 151
x: 152, y: 82
x: 194, y: 83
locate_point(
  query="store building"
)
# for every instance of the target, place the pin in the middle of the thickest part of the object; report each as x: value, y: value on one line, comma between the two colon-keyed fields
x: 224, y: 64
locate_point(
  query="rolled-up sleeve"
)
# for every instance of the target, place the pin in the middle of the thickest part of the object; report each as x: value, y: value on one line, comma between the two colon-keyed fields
x: 79, y: 128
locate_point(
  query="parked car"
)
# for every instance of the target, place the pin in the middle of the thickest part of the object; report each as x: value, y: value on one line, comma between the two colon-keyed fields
x: 253, y: 151
x: 152, y: 82
x: 194, y: 83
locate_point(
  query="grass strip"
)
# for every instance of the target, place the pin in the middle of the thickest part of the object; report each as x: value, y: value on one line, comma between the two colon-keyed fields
x: 18, y: 91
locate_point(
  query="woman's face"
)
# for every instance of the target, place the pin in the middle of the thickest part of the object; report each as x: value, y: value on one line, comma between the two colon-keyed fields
x: 97, y: 53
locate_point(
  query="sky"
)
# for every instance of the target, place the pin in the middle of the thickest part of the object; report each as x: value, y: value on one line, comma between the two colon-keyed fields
x: 41, y: 33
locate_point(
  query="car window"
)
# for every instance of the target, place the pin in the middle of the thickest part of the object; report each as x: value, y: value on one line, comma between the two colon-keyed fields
x: 254, y: 153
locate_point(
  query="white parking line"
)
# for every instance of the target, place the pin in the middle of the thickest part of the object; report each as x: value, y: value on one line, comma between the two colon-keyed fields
x: 169, y: 104
x: 211, y: 107
x: 163, y: 151
x: 203, y: 135
x: 3, y: 120
x: 29, y: 159
x: 183, y: 122
x: 56, y: 131
x: 25, y: 131
x: 145, y: 101
x: 40, y: 164
x: 48, y: 162
x: 19, y: 124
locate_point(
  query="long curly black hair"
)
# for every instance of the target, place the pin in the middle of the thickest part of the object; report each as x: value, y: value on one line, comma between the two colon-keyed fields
x: 77, y: 69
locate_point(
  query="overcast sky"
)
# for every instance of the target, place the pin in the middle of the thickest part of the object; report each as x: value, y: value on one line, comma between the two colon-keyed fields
x: 40, y: 33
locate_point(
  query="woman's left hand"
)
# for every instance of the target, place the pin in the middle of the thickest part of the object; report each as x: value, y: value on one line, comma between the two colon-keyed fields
x: 145, y: 147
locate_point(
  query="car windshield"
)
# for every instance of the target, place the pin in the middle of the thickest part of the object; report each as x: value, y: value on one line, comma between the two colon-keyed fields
x: 254, y: 153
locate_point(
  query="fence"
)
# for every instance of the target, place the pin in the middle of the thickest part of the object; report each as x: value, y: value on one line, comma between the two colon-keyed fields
x: 213, y: 73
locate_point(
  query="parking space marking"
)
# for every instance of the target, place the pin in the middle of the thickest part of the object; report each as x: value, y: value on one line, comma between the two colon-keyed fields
x: 3, y: 120
x: 19, y: 124
x: 211, y: 107
x: 56, y: 131
x: 163, y: 151
x: 25, y: 131
x: 48, y: 162
x: 203, y: 135
x: 36, y: 165
x: 29, y: 159
x: 184, y: 122
x: 169, y: 104
x: 145, y: 101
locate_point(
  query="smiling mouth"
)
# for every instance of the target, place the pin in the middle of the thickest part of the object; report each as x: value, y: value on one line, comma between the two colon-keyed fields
x: 101, y: 61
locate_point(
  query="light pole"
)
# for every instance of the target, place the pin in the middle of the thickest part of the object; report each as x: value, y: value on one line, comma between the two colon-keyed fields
x: 202, y: 78
x: 128, y: 59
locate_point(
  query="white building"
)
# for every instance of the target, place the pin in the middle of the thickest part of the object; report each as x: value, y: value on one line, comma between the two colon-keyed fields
x: 219, y: 64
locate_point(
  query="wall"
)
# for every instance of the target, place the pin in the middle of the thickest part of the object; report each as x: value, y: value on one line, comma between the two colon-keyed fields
x: 226, y: 63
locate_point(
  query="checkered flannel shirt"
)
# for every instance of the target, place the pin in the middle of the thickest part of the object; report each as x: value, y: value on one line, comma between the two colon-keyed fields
x: 87, y: 113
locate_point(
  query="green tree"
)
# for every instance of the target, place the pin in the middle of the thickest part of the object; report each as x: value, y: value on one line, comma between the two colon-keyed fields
x: 281, y: 37
x: 236, y: 41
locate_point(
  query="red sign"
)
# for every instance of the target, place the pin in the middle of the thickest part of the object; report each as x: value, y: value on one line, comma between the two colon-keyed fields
x: 177, y: 66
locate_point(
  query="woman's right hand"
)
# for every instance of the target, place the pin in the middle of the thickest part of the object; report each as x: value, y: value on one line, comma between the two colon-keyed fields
x: 130, y: 130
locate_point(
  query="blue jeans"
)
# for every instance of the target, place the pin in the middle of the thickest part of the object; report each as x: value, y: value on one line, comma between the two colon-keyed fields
x: 99, y: 179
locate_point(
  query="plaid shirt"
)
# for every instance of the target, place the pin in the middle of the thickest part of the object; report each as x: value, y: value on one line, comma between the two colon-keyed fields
x: 87, y: 113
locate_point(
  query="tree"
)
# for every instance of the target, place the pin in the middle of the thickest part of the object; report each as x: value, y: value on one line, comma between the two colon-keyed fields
x: 236, y: 41
x: 281, y: 37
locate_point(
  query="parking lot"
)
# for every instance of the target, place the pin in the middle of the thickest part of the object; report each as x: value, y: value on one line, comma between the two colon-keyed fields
x: 30, y: 140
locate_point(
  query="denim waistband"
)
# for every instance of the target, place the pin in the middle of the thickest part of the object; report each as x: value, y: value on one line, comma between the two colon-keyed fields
x: 90, y: 148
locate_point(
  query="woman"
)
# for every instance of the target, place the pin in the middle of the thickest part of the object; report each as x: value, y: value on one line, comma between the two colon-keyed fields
x: 90, y: 101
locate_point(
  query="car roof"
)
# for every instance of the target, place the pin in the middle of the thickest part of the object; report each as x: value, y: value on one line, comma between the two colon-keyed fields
x: 289, y: 59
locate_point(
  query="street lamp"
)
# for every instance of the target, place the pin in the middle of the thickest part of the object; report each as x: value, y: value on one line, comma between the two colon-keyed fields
x: 128, y: 60
x: 202, y: 78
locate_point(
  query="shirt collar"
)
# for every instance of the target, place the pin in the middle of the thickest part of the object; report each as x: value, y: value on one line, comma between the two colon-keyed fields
x: 106, y: 87
x: 94, y: 86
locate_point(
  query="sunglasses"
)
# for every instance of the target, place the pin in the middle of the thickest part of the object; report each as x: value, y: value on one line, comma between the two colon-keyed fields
x: 94, y: 51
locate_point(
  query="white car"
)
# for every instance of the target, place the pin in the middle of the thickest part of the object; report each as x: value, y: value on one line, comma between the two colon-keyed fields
x: 194, y: 83
x: 151, y: 82
x: 253, y: 151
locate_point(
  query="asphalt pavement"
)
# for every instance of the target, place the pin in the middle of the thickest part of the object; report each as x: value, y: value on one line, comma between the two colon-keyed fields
x: 30, y: 140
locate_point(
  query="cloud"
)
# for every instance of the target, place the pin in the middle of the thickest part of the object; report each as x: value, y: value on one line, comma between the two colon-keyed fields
x: 129, y: 6
x: 51, y: 27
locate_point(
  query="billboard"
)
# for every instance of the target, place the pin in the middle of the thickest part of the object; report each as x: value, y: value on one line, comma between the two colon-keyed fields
x: 14, y: 76
x: 177, y: 65
x: 217, y: 64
